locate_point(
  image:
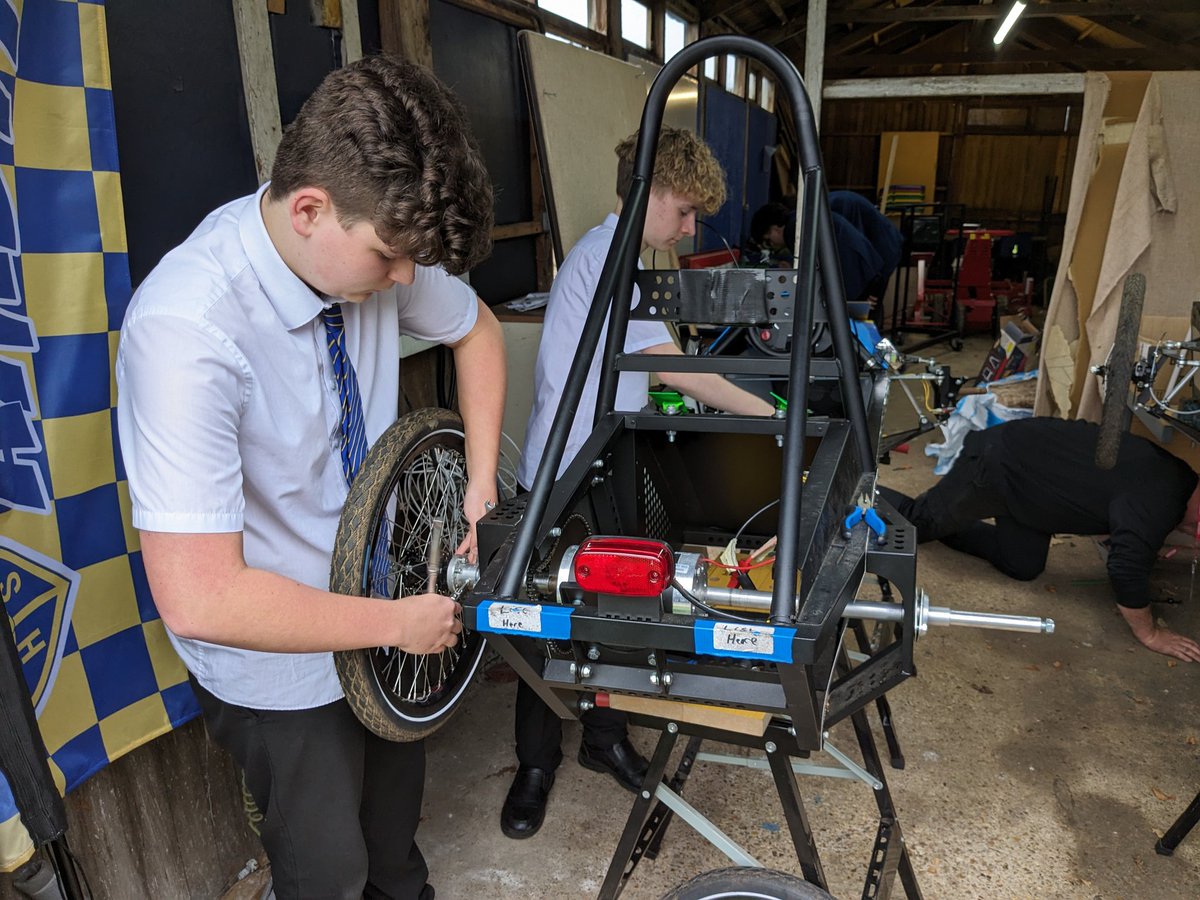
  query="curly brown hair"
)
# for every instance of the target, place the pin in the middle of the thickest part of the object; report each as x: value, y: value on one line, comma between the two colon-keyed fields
x: 390, y: 144
x: 684, y: 164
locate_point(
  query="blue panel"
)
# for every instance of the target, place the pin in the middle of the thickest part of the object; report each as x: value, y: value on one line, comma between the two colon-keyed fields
x: 82, y: 756
x: 49, y: 42
x: 118, y: 460
x: 119, y: 671
x: 102, y: 129
x: 58, y: 211
x: 761, y: 641
x: 555, y: 620
x: 73, y: 375
x: 7, y: 84
x: 725, y: 133
x: 147, y: 611
x: 89, y: 527
x: 8, y: 221
x: 10, y: 29
x: 180, y: 703
x: 117, y: 289
x: 761, y: 129
x: 868, y: 335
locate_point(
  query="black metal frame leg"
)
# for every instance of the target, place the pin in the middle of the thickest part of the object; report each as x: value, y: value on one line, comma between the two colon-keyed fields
x: 1177, y: 832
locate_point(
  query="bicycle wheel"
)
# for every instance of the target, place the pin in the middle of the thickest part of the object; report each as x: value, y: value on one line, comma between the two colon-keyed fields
x: 1118, y: 375
x: 415, y: 473
x: 747, y: 883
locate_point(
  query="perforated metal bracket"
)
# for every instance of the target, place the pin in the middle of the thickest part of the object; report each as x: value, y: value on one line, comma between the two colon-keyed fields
x: 718, y: 296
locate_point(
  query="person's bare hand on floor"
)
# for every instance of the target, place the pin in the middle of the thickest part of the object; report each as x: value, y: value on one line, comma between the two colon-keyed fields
x: 1164, y: 640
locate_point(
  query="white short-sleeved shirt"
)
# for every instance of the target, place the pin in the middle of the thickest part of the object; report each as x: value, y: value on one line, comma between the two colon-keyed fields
x: 566, y: 310
x: 228, y: 418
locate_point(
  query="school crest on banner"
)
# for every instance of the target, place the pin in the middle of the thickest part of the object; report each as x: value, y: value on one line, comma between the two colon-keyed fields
x: 100, y: 670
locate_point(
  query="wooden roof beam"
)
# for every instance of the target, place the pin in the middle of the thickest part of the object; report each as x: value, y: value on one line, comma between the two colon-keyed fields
x: 954, y: 86
x: 1093, y: 57
x: 1091, y: 9
x: 1180, y: 53
x: 712, y: 9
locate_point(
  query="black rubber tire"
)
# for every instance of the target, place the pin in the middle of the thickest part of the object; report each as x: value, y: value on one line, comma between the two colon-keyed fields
x: 747, y: 883
x: 1115, y: 415
x: 407, y: 444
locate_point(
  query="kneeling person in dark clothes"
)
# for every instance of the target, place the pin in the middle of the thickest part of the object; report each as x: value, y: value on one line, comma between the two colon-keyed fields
x: 1037, y: 477
x: 868, y: 244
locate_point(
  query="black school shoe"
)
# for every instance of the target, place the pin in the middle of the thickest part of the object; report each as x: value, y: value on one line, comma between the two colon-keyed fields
x: 621, y: 761
x: 525, y: 806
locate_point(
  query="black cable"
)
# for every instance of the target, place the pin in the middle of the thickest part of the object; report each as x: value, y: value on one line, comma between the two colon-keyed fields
x: 746, y: 524
x: 732, y: 255
x: 715, y: 613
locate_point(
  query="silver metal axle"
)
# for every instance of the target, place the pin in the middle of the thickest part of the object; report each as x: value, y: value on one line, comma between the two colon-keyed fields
x: 760, y: 601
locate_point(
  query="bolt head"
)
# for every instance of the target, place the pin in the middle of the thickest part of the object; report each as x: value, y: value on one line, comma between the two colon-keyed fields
x: 770, y: 746
x: 585, y: 671
x: 593, y: 653
x: 672, y: 728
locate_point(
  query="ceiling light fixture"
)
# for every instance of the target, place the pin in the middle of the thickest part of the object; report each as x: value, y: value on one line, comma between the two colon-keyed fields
x: 1009, y: 21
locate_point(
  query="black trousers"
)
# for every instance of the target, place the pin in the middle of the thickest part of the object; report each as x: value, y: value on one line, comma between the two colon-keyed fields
x: 539, y: 731
x: 951, y: 511
x: 340, y: 804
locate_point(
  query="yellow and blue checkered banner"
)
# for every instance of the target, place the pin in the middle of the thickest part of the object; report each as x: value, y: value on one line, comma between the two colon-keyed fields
x: 102, y: 675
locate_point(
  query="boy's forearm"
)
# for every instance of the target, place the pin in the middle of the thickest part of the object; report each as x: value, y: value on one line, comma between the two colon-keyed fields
x: 480, y: 362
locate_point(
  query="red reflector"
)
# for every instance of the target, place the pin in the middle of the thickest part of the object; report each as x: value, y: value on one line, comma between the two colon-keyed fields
x: 629, y: 567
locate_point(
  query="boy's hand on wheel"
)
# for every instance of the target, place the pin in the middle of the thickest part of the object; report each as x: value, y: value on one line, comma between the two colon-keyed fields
x: 427, y: 623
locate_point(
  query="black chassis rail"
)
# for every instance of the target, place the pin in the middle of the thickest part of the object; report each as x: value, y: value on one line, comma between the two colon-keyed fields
x: 826, y: 468
x: 659, y: 658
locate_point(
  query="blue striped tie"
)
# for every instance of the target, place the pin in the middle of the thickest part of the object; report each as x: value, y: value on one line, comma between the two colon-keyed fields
x: 354, y: 433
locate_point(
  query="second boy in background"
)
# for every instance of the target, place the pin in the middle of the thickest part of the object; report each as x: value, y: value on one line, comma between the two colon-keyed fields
x: 687, y: 179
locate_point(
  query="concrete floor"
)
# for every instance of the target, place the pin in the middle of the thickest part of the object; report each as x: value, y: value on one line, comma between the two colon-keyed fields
x: 1037, y: 766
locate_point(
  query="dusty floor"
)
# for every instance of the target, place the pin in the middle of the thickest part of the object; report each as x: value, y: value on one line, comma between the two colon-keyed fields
x: 1037, y: 766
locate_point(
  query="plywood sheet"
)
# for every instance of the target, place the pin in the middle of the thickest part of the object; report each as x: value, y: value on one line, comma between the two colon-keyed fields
x: 916, y: 159
x: 584, y: 103
x: 1132, y: 210
x: 739, y: 721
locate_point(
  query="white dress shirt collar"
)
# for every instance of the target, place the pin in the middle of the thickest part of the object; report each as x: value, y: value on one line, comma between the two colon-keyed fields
x: 294, y: 301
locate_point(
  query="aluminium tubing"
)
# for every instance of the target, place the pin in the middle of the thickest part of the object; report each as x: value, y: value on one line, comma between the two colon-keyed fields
x: 760, y: 601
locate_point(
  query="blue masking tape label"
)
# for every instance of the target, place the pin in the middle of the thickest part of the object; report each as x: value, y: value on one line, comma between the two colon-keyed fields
x: 553, y: 622
x: 742, y: 640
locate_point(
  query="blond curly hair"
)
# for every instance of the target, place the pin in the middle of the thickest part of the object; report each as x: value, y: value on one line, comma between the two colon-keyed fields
x: 684, y: 164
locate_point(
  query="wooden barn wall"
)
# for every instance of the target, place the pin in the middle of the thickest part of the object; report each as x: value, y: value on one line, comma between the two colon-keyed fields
x: 1008, y: 161
x: 164, y: 821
